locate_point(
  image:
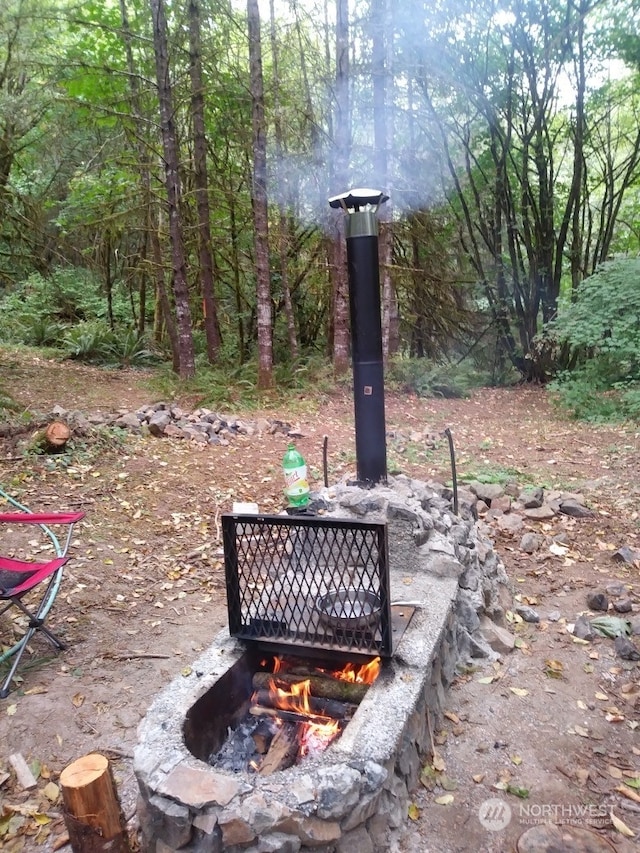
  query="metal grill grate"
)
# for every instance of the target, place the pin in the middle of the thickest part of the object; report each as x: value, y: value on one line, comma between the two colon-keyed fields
x: 308, y: 581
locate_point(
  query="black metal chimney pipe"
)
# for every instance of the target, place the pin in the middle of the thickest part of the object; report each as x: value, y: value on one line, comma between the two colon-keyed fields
x: 361, y: 207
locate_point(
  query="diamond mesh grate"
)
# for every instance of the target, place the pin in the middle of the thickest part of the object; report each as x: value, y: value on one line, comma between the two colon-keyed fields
x: 312, y: 582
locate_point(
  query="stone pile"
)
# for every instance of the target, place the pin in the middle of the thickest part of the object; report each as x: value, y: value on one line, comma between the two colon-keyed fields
x: 203, y: 426
x: 508, y: 508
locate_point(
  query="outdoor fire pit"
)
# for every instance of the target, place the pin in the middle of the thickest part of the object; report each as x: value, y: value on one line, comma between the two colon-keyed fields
x: 354, y: 794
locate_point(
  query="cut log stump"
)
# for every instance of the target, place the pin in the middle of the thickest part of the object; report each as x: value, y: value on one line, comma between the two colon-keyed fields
x: 53, y: 439
x: 91, y: 809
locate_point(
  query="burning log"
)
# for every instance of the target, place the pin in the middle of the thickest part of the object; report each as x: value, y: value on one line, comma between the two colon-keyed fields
x: 289, y: 716
x: 317, y: 705
x: 320, y: 686
x: 283, y: 750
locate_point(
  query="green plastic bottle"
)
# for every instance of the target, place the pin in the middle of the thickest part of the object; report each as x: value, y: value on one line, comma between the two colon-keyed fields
x: 294, y: 469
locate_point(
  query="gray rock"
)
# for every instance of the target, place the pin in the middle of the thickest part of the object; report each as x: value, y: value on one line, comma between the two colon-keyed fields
x: 528, y: 613
x: 574, y: 509
x: 531, y: 542
x: 486, y: 491
x: 597, y: 601
x: 510, y: 524
x: 626, y: 555
x: 626, y: 648
x: 583, y: 629
x: 554, y: 616
x: 623, y: 605
x: 158, y: 421
x: 499, y: 639
x: 128, y: 421
x: 531, y: 498
x: 541, y: 513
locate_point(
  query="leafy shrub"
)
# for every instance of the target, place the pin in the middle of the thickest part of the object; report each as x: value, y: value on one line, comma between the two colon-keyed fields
x: 88, y: 341
x: 38, y: 331
x: 129, y: 349
x: 66, y: 297
x: 601, y: 329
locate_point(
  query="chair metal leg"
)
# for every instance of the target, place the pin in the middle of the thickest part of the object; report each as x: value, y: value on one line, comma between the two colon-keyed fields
x: 6, y: 687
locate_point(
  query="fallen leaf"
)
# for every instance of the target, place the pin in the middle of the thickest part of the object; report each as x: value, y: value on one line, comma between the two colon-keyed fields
x: 51, y: 791
x: 519, y: 691
x: 621, y: 826
x: 582, y: 705
x: 517, y: 791
x: 553, y: 668
x: 614, y: 772
x: 628, y: 793
x: 450, y: 715
x: 610, y: 626
x: 447, y: 784
x: 428, y: 778
x: 438, y: 762
x: 77, y: 699
x: 487, y: 679
x: 413, y: 811
x: 580, y: 730
x: 478, y: 778
x: 602, y: 696
x: 633, y: 783
x: 444, y: 800
x: 516, y: 759
x: 11, y: 710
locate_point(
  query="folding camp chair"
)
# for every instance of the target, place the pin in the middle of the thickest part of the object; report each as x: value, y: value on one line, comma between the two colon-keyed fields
x: 18, y: 577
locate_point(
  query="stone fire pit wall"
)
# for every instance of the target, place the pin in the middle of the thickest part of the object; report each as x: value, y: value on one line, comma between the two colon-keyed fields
x: 354, y: 796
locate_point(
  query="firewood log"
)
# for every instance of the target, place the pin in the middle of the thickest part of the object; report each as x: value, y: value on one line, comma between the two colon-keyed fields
x: 321, y: 686
x: 283, y: 750
x: 92, y: 812
x: 317, y: 705
x: 52, y: 439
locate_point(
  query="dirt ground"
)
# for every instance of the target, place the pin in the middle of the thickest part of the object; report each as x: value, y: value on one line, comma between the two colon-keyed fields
x: 549, y: 731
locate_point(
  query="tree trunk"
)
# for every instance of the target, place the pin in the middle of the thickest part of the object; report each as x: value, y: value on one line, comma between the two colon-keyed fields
x: 171, y: 162
x: 342, y: 138
x: 283, y: 195
x: 163, y: 308
x: 259, y: 201
x: 382, y: 76
x: 207, y: 278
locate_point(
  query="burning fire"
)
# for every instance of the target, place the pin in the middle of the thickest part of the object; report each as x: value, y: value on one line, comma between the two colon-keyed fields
x: 365, y: 674
x: 317, y: 730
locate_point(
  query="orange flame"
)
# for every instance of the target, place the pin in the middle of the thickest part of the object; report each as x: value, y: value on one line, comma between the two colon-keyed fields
x: 319, y: 731
x: 364, y: 674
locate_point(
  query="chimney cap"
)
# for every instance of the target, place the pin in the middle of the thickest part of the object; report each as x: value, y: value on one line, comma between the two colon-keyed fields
x: 356, y: 198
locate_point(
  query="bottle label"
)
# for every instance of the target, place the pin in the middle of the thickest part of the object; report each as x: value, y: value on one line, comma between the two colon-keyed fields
x: 296, y: 477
